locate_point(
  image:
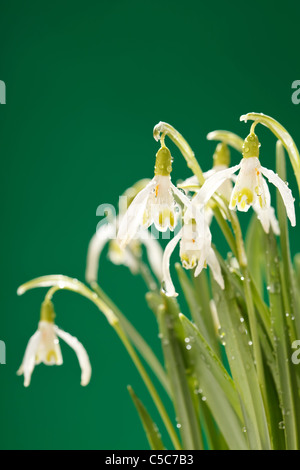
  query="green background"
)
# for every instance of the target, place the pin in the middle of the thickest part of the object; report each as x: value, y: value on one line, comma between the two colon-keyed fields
x: 86, y: 83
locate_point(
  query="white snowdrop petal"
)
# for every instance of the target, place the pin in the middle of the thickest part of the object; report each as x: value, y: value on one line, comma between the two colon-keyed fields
x: 214, y: 265
x: 154, y: 252
x: 133, y: 218
x: 127, y: 259
x: 167, y: 280
x: 28, y: 362
x: 263, y: 217
x: 83, y: 358
x: 274, y: 222
x: 102, y: 236
x: 285, y: 193
x: 212, y: 184
x: 190, y: 184
x: 182, y: 197
x: 201, y: 263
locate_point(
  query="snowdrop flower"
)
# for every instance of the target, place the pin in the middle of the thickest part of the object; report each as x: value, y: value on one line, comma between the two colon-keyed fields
x: 43, y: 347
x: 250, y: 188
x: 129, y: 255
x: 195, y: 249
x: 221, y: 158
x: 155, y: 203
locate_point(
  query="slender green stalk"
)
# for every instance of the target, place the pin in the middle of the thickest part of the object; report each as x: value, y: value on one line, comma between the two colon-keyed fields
x: 137, y: 340
x: 162, y: 129
x: 64, y: 283
x: 228, y: 138
x: 149, y: 385
x: 289, y: 287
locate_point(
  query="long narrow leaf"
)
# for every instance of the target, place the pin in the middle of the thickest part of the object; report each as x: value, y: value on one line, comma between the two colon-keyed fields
x: 151, y: 430
x: 242, y: 366
x: 188, y: 421
x: 217, y: 387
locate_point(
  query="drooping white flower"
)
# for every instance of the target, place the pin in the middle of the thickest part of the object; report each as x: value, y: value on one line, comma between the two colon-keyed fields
x: 155, y: 204
x: 195, y: 249
x: 43, y: 347
x: 250, y: 188
x: 266, y: 214
x: 129, y: 255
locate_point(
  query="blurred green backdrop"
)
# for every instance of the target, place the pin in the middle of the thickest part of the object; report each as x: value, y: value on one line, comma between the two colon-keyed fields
x: 86, y: 83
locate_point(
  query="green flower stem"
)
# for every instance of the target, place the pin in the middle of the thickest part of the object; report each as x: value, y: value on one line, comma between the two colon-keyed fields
x: 228, y: 138
x: 225, y: 230
x: 149, y: 385
x: 65, y: 283
x: 147, y: 276
x: 136, y: 339
x: 163, y: 129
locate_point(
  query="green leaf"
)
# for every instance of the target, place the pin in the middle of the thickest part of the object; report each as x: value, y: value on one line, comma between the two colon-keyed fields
x: 289, y: 286
x: 151, y: 430
x: 198, y: 303
x: 217, y: 387
x: 288, y: 383
x: 256, y: 252
x: 137, y: 340
x: 172, y: 337
x: 242, y: 366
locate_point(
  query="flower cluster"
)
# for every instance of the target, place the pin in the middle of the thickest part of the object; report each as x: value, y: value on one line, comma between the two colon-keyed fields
x: 157, y: 204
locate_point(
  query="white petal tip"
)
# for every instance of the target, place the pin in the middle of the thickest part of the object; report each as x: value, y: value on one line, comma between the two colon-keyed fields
x: 170, y: 294
x: 84, y: 383
x: 90, y: 279
x: 20, y: 290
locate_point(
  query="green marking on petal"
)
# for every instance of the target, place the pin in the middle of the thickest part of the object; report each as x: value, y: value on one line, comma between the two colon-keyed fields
x: 243, y: 197
x: 51, y: 354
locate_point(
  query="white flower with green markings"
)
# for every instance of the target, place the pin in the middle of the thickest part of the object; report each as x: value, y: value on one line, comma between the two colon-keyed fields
x: 250, y: 188
x: 155, y: 204
x: 43, y: 347
x: 195, y: 249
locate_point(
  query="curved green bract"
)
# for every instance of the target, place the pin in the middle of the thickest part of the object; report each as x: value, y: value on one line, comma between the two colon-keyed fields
x: 228, y: 138
x: 162, y: 129
x: 282, y: 134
